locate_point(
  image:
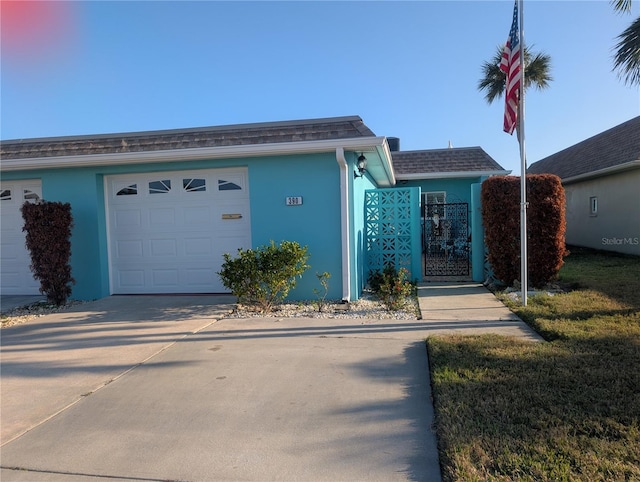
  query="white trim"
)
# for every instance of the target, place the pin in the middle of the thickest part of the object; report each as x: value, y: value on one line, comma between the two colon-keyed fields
x: 603, y: 172
x: 344, y: 218
x: 450, y: 175
x: 385, y: 153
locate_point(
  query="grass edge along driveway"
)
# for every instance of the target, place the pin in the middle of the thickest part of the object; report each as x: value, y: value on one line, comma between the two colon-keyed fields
x: 565, y: 410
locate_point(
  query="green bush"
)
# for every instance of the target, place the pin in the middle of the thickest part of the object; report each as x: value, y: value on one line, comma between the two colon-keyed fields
x: 391, y: 286
x: 264, y: 276
x: 48, y: 227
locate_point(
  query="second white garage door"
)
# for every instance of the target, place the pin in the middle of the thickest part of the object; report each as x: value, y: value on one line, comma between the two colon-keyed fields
x: 16, y: 277
x: 168, y: 231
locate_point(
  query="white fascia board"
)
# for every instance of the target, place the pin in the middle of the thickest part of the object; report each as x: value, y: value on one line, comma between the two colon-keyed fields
x: 147, y: 157
x: 450, y: 175
x: 385, y: 155
x: 603, y: 172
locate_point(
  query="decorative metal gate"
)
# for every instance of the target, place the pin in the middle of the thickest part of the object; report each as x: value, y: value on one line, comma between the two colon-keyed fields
x: 446, y: 240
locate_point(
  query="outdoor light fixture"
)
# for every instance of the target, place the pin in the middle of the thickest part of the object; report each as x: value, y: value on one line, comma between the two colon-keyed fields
x: 362, y: 166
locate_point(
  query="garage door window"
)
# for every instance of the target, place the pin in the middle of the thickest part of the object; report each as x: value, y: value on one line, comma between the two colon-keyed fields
x: 30, y: 195
x: 227, y: 185
x: 194, y: 185
x: 160, y: 187
x: 130, y: 190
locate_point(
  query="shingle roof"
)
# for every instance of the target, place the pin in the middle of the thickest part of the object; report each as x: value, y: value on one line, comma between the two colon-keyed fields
x: 458, y: 159
x: 231, y: 135
x: 613, y: 147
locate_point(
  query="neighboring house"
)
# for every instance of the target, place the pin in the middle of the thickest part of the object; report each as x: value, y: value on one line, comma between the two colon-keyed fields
x: 601, y: 178
x: 154, y: 212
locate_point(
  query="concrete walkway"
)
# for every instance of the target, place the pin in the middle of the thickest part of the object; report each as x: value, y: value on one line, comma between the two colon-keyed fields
x: 468, y: 309
x: 165, y: 388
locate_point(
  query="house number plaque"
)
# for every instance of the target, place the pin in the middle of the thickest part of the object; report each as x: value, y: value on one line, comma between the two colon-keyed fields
x: 294, y: 200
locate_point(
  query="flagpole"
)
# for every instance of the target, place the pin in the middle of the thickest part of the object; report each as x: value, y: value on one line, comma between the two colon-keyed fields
x: 523, y: 166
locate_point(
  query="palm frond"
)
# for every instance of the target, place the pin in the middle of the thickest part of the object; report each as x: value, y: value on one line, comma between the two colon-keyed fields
x: 621, y: 5
x: 627, y: 57
x: 537, y: 72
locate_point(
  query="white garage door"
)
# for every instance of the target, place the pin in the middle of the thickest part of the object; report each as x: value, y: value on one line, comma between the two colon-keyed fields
x: 169, y: 230
x: 16, y: 277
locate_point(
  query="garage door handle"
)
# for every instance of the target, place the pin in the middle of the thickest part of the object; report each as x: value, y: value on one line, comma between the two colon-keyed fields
x: 232, y: 216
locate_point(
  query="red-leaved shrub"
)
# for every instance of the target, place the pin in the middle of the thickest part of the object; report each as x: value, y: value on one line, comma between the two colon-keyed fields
x: 546, y: 227
x: 48, y: 227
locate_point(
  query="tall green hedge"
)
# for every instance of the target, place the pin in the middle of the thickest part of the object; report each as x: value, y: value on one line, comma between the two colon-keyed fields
x: 546, y: 227
x: 48, y: 227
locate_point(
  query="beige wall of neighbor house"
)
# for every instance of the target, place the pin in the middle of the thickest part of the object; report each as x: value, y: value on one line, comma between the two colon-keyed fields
x: 604, y: 213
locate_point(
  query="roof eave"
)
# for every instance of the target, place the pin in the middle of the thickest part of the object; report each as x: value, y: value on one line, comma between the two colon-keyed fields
x: 603, y: 172
x: 450, y: 175
x: 383, y: 175
x: 383, y: 172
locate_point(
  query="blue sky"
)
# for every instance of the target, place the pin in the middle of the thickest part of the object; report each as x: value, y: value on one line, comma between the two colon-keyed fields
x: 409, y: 69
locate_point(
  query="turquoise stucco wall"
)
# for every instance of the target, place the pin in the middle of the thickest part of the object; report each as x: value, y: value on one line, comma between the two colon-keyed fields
x: 358, y: 236
x: 477, y: 234
x: 316, y: 223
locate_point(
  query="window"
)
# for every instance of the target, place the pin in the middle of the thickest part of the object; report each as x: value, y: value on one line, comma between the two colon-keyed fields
x: 30, y: 195
x: 5, y: 195
x: 194, y: 185
x: 593, y: 205
x: 160, y: 187
x: 130, y: 190
x: 438, y: 197
x: 227, y: 185
x: 432, y: 201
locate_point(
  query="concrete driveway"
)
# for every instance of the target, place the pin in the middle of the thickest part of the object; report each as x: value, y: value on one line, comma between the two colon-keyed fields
x: 161, y: 388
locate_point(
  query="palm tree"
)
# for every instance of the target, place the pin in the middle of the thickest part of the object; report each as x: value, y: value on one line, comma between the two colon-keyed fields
x: 627, y: 57
x: 536, y: 72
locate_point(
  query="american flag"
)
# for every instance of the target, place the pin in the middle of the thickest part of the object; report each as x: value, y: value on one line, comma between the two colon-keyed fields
x: 510, y: 65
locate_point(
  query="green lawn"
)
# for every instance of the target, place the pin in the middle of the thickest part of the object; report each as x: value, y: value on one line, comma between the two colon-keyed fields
x: 565, y: 409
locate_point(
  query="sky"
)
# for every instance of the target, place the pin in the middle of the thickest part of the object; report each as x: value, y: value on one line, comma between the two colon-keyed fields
x: 409, y: 69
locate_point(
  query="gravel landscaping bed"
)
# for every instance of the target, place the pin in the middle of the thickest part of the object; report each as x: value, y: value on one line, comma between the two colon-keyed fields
x: 33, y: 311
x: 367, y: 307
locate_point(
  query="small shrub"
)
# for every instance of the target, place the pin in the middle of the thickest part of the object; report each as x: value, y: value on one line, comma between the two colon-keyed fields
x: 391, y: 286
x: 323, y: 278
x: 265, y: 275
x: 48, y: 239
